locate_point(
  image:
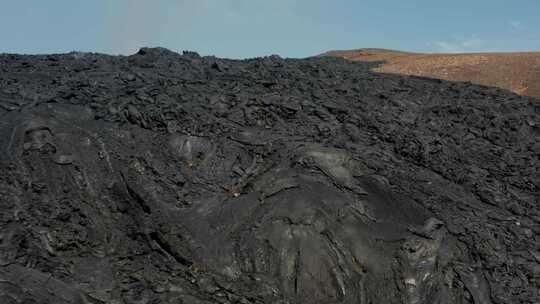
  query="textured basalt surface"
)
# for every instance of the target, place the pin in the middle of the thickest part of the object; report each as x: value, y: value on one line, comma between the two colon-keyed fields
x: 168, y: 178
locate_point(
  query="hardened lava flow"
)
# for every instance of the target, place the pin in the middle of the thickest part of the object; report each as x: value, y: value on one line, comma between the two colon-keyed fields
x: 174, y: 178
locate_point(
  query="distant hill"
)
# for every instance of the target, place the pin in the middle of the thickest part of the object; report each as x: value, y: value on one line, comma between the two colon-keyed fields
x: 517, y: 72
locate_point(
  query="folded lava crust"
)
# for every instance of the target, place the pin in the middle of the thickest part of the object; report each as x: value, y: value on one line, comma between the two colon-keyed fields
x: 174, y: 178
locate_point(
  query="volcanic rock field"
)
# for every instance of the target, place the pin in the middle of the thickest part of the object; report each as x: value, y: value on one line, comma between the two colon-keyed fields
x: 174, y: 178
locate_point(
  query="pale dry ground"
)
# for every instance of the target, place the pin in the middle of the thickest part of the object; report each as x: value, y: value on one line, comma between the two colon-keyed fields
x: 517, y: 72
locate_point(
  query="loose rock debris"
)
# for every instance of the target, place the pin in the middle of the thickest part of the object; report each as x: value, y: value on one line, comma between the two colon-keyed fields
x: 168, y: 178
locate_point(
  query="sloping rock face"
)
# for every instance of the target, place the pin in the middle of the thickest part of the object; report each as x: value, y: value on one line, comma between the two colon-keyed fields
x: 168, y: 178
x: 516, y: 72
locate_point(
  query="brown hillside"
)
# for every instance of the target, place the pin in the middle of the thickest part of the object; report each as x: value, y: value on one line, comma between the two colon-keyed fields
x: 518, y: 72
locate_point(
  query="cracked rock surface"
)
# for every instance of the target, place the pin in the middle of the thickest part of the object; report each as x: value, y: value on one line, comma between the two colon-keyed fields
x: 174, y: 178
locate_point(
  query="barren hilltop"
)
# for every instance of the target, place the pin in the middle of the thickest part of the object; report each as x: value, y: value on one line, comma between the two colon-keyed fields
x: 517, y: 72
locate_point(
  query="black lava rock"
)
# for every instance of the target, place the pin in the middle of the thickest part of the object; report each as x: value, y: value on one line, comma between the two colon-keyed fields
x: 168, y: 178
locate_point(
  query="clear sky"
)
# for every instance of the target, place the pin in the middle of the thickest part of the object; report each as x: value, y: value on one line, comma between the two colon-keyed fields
x: 249, y: 28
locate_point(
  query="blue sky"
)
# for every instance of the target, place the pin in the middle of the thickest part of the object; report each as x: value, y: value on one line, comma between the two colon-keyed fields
x: 249, y: 28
